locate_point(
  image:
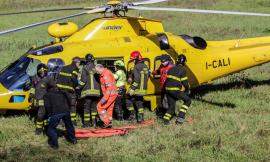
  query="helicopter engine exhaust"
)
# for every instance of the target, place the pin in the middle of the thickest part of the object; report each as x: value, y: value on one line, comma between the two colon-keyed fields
x: 196, y: 42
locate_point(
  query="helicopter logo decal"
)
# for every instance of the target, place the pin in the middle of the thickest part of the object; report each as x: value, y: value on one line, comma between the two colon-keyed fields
x: 218, y: 63
x: 114, y: 28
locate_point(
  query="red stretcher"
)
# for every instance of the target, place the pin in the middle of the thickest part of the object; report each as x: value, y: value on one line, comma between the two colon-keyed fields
x: 119, y: 131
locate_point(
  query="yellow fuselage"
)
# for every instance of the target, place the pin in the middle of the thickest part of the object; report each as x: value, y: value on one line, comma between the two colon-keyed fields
x: 116, y: 38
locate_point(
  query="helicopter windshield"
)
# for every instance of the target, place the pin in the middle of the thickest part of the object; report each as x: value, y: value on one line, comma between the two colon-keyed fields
x: 15, y: 76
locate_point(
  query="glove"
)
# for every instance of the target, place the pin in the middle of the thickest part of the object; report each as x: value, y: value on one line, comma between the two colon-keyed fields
x: 131, y: 92
x: 103, y: 101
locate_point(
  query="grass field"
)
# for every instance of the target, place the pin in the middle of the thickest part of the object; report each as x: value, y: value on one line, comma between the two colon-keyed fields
x: 231, y: 116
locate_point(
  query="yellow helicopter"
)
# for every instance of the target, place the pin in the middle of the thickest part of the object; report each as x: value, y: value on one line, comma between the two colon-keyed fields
x: 115, y: 37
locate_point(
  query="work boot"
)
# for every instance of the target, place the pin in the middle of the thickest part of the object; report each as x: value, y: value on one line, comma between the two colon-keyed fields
x: 140, y: 118
x: 74, y: 123
x: 94, y: 123
x: 132, y: 116
x: 38, y: 131
x: 120, y: 117
x: 166, y: 122
x: 179, y: 120
x: 87, y: 124
x: 107, y: 125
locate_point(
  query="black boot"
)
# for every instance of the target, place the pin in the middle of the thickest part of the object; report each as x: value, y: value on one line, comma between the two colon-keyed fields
x: 166, y: 122
x: 74, y: 123
x: 181, y: 118
x: 140, y: 117
x: 132, y: 116
x: 87, y: 124
x: 38, y: 131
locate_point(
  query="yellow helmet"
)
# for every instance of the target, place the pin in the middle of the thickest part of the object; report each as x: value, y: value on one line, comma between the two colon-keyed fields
x: 119, y: 63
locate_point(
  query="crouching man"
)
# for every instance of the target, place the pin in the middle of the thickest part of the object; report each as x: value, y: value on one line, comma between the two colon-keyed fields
x: 57, y: 106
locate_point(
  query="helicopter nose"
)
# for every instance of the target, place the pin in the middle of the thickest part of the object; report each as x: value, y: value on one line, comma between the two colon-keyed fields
x: 13, y: 100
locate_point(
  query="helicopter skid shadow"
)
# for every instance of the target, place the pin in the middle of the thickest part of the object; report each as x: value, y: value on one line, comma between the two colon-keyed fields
x: 200, y: 91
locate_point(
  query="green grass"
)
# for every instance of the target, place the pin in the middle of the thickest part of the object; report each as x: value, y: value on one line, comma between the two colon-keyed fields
x: 230, y: 116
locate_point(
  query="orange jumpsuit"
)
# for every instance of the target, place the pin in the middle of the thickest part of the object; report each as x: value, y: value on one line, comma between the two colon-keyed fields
x: 109, y: 91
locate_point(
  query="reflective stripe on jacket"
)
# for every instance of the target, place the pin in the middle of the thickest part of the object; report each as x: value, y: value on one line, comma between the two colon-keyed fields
x: 139, y: 77
x: 162, y: 71
x: 108, y: 84
x: 176, y: 77
x: 68, y: 78
x: 89, y: 81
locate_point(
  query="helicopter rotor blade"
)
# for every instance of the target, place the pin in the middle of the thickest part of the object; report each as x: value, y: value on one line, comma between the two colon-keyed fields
x: 147, y: 2
x: 97, y: 10
x: 198, y: 11
x: 47, y: 10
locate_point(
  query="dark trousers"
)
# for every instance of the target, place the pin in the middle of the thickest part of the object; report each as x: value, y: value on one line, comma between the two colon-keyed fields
x: 136, y: 101
x: 90, y: 109
x: 163, y: 107
x: 54, y: 122
x: 120, y: 102
x: 72, y: 102
x: 41, y: 118
x: 172, y: 99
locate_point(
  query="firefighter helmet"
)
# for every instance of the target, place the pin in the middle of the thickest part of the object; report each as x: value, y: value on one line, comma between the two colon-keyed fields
x: 136, y: 55
x: 119, y: 63
x: 181, y: 59
x: 165, y: 57
x: 42, y: 68
x: 89, y: 58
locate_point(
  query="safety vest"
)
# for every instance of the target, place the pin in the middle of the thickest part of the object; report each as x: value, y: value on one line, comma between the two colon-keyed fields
x: 89, y: 81
x: 176, y: 76
x: 68, y: 78
x: 121, y: 78
x: 108, y: 84
x: 162, y: 72
x: 139, y: 77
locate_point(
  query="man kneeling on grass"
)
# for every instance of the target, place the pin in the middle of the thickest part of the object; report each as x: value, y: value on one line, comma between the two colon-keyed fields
x: 57, y: 107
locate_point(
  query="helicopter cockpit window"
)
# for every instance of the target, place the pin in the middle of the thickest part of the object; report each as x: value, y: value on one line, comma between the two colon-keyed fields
x: 15, y: 76
x: 163, y: 41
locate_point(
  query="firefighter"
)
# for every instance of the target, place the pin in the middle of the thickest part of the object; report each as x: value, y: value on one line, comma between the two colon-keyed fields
x: 39, y: 84
x: 138, y: 87
x: 57, y: 106
x: 67, y: 81
x: 166, y: 64
x: 177, y: 77
x: 121, y: 80
x: 109, y: 90
x: 90, y: 86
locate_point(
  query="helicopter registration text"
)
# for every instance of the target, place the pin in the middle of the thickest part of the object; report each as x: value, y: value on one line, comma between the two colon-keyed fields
x: 218, y: 63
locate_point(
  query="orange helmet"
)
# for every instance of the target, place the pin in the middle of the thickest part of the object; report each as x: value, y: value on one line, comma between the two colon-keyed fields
x: 136, y: 55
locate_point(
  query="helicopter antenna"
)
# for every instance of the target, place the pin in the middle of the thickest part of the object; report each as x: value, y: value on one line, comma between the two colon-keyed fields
x: 238, y: 42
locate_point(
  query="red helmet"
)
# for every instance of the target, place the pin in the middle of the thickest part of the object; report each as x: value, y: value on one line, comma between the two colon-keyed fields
x: 136, y: 55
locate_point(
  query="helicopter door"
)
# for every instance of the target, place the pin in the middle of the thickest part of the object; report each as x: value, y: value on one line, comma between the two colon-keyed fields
x: 157, y: 64
x: 108, y: 62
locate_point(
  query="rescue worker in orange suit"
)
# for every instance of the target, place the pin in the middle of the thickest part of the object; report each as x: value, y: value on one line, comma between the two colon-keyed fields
x: 90, y: 86
x: 39, y: 89
x: 176, y: 78
x: 109, y: 90
x: 121, y: 80
x: 166, y: 65
x: 138, y: 87
x: 67, y: 81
